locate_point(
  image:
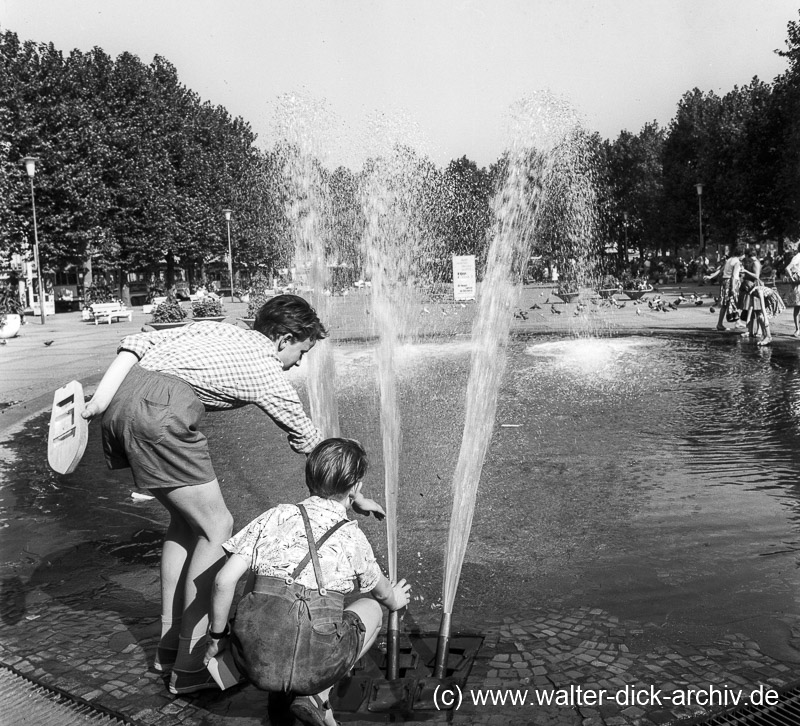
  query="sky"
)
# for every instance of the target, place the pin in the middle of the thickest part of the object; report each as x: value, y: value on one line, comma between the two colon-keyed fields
x: 444, y: 72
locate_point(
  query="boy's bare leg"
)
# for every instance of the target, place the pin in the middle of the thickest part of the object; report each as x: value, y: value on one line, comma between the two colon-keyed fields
x: 371, y: 615
x: 203, y: 509
x: 178, y: 544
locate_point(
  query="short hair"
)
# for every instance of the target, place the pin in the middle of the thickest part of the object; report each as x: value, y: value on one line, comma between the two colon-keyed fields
x: 334, y: 466
x: 289, y: 314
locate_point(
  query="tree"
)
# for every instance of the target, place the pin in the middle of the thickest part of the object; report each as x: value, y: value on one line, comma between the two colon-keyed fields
x: 467, y: 191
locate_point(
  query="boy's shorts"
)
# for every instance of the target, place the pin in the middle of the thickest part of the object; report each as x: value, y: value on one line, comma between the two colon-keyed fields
x: 287, y: 638
x: 153, y: 426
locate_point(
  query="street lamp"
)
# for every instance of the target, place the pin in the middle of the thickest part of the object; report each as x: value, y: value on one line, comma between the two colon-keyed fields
x: 30, y: 167
x: 699, y: 188
x: 625, y: 255
x: 227, y: 213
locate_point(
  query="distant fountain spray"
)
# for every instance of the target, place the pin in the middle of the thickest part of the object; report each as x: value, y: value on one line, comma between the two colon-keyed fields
x: 544, y: 138
x: 301, y: 126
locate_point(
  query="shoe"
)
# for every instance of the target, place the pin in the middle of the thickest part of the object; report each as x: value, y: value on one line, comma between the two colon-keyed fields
x: 765, y: 341
x: 721, y: 327
x: 310, y: 710
x: 164, y: 660
x: 182, y: 682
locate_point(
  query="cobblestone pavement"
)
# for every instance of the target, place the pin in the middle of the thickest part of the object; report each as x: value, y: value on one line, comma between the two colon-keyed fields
x: 95, y: 640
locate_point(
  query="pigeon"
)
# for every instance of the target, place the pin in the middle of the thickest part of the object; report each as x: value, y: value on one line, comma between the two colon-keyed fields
x: 48, y: 342
x: 698, y: 302
x: 638, y: 312
x: 712, y: 309
x: 554, y: 310
x: 535, y: 307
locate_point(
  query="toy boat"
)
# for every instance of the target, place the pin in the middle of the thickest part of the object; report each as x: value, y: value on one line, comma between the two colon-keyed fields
x: 69, y: 431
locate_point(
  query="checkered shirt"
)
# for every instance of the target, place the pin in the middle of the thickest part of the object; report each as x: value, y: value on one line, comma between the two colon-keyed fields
x: 275, y: 543
x: 228, y: 367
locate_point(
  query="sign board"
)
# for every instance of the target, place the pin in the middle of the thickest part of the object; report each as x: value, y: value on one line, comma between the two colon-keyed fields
x: 464, y: 277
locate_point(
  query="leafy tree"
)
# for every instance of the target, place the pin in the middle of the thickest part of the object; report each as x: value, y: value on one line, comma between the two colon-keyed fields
x: 467, y: 188
x: 134, y: 169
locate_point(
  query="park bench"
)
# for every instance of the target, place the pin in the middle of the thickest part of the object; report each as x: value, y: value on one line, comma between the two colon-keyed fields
x: 108, y: 311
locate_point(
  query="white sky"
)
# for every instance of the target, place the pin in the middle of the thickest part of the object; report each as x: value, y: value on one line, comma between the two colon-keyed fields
x: 454, y: 67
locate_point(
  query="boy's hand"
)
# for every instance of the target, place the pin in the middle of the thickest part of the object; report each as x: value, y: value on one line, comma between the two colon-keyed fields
x: 402, y: 594
x: 364, y: 505
x: 91, y: 410
x: 214, y: 647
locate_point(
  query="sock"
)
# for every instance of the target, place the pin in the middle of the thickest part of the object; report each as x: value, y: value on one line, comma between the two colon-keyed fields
x: 169, y: 634
x: 191, y: 652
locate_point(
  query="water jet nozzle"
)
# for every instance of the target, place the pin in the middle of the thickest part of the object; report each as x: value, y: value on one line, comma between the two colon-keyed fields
x: 393, y: 647
x: 442, y: 647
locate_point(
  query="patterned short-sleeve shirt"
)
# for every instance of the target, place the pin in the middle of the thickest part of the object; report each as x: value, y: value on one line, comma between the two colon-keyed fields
x: 275, y: 543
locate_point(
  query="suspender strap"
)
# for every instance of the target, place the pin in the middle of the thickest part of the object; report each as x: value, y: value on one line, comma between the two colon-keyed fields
x: 313, y: 547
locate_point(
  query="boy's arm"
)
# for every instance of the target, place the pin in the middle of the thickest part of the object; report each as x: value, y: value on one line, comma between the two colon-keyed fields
x: 221, y: 601
x: 112, y: 380
x: 279, y: 400
x: 392, y: 597
x: 366, y: 506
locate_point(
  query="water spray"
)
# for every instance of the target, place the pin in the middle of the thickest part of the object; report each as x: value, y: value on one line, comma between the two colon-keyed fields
x: 528, y: 200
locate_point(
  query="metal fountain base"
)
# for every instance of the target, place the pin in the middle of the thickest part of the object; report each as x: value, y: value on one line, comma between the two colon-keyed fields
x: 366, y: 695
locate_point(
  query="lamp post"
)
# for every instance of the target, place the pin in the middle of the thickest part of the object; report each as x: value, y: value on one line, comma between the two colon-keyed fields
x: 227, y: 213
x: 625, y: 254
x: 699, y: 188
x: 30, y: 167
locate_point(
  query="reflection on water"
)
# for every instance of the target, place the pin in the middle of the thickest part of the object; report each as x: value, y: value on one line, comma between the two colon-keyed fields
x: 726, y: 412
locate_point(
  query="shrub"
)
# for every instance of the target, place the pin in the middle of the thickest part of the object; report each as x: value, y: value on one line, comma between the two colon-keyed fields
x: 98, y: 294
x: 10, y: 303
x: 567, y: 287
x: 208, y: 306
x: 634, y: 283
x: 260, y: 291
x: 169, y: 311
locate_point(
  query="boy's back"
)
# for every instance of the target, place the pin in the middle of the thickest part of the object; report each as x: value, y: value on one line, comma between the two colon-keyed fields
x: 275, y: 542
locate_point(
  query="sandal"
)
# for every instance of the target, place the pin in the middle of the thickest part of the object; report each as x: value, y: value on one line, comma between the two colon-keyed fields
x: 182, y: 682
x: 165, y: 659
x: 310, y: 710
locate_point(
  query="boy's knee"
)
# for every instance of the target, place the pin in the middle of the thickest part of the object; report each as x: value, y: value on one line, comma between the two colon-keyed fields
x: 218, y: 527
x: 368, y: 609
x: 225, y: 525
